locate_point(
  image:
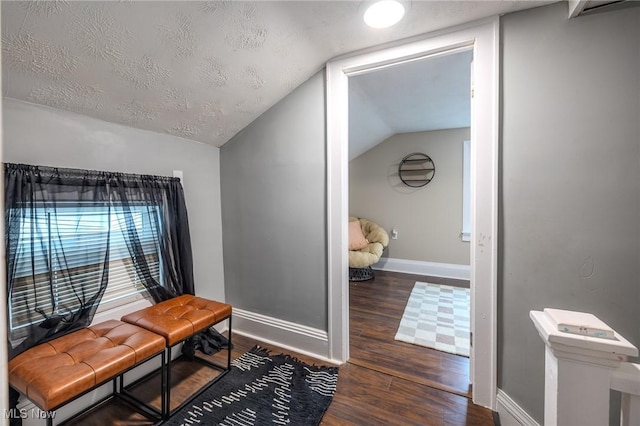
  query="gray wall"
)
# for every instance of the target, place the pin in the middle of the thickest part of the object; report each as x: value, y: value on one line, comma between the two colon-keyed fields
x: 46, y: 136
x: 428, y: 219
x: 570, y: 181
x: 274, y: 211
x: 570, y: 190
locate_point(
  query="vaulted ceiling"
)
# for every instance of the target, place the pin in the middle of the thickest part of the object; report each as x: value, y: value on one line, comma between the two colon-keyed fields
x: 416, y: 96
x: 199, y: 70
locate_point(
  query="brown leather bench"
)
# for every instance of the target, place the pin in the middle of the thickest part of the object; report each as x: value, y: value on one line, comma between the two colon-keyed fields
x: 178, y: 319
x: 55, y: 373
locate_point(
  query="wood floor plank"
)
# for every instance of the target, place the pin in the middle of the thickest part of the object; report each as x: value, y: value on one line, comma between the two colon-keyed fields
x: 373, y: 326
x: 366, y: 413
x: 392, y: 401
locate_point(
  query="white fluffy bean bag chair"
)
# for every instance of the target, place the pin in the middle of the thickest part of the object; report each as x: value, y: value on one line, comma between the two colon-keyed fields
x: 367, y: 241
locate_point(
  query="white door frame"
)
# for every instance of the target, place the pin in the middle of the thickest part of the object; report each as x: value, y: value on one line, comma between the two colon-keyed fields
x: 483, y: 38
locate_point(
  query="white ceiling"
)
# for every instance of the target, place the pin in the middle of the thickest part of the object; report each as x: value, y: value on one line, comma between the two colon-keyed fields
x: 199, y: 70
x: 427, y: 94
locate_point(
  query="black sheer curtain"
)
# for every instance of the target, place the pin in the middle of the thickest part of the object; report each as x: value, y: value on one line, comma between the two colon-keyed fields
x: 163, y: 198
x: 58, y: 244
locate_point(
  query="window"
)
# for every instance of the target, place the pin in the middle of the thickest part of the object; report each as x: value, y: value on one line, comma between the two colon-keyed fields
x: 64, y: 249
x: 82, y: 240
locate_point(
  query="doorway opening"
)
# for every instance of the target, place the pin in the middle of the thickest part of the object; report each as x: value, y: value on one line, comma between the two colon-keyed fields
x: 420, y: 107
x: 482, y: 37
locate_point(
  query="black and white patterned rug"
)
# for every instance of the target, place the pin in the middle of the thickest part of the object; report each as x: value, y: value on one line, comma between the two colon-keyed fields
x: 263, y: 389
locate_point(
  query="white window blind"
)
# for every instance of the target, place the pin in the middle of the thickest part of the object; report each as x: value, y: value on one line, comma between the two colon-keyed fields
x: 68, y: 256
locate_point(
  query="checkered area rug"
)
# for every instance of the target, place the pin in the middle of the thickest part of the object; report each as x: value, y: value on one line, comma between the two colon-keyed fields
x: 438, y: 317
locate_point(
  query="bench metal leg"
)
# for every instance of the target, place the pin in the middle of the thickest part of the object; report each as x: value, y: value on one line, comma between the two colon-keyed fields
x: 224, y: 370
x: 141, y: 406
x: 163, y: 387
x: 229, y: 347
x: 167, y: 399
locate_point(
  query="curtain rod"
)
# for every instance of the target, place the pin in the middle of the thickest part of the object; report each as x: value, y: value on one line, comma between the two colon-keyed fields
x: 50, y: 171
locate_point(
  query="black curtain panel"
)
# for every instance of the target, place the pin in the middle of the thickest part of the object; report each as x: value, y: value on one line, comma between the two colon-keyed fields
x: 159, y: 203
x: 72, y: 234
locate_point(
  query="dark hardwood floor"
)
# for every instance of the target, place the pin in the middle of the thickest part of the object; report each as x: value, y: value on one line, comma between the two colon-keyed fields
x: 363, y: 397
x: 376, y: 307
x: 374, y: 387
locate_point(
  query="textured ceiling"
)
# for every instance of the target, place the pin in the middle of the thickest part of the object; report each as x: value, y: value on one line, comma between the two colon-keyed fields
x: 199, y: 70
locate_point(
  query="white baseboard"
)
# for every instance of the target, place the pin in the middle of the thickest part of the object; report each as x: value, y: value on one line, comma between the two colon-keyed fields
x: 288, y: 335
x: 511, y: 414
x: 444, y: 270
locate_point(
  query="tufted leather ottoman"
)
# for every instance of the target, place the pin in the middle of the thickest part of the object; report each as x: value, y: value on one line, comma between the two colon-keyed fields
x: 54, y: 373
x: 180, y: 317
x: 176, y: 320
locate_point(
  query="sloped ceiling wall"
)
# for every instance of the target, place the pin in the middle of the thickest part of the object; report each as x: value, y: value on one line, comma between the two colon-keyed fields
x: 417, y: 96
x: 199, y: 70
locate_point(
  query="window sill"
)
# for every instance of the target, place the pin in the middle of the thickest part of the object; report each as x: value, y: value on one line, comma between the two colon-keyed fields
x: 119, y: 311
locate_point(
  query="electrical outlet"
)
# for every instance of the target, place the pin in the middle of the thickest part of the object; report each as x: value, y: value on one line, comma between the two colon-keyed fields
x: 394, y: 234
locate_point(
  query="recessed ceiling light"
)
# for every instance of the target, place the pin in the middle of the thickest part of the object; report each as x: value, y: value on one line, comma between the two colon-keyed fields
x: 383, y: 14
